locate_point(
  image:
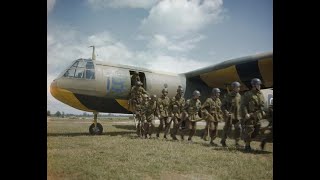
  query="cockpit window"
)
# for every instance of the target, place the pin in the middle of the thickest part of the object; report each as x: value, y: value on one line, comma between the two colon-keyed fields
x: 82, y: 68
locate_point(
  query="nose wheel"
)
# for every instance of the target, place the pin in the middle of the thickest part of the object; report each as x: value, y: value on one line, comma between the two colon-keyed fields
x: 95, y: 128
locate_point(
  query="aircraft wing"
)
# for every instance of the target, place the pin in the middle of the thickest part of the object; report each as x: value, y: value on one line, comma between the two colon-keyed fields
x: 241, y: 69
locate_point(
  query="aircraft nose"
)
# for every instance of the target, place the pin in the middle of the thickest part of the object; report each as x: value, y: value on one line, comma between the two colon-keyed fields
x: 53, y: 86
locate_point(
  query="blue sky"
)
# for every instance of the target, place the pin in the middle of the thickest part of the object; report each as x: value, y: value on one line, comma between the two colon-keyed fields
x: 155, y: 34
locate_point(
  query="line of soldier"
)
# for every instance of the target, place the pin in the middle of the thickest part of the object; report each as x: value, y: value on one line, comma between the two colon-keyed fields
x: 242, y: 112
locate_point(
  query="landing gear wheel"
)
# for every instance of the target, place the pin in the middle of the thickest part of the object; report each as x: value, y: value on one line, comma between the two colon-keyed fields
x: 96, y: 130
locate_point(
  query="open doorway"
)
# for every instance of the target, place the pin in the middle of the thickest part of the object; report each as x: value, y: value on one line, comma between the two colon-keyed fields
x: 142, y: 78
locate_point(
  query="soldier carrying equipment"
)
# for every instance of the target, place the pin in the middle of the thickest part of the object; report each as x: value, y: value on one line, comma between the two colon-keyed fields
x: 252, y: 104
x: 212, y: 114
x: 231, y: 108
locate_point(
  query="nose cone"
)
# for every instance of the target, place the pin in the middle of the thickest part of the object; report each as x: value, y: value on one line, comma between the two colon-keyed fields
x: 66, y: 96
x: 53, y: 88
x: 57, y: 92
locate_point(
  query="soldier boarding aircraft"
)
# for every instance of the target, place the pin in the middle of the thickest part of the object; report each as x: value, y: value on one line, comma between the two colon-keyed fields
x: 96, y: 86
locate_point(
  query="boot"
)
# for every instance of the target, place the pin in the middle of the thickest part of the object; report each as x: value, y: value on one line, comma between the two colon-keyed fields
x: 213, y: 144
x: 262, y: 145
x: 223, y: 143
x: 247, y: 148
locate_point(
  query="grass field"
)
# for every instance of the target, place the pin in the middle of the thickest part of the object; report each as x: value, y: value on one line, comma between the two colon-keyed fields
x: 118, y: 154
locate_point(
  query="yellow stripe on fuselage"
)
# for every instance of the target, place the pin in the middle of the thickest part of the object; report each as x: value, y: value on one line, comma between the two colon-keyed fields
x: 124, y: 104
x: 266, y: 71
x: 219, y: 78
x: 68, y: 98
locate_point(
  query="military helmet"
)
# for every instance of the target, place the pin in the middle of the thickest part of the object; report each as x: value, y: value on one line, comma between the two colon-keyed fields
x: 180, y: 89
x: 216, y: 90
x: 196, y: 93
x: 255, y: 81
x: 164, y: 90
x: 235, y: 84
x: 135, y: 72
x: 154, y: 97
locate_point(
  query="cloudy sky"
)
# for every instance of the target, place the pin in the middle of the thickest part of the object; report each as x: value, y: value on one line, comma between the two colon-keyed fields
x: 167, y: 35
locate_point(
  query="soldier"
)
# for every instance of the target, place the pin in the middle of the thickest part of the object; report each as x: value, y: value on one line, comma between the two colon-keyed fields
x: 191, y: 113
x: 135, y: 78
x: 252, y: 104
x: 268, y: 132
x: 139, y: 115
x: 150, y: 112
x: 163, y: 109
x: 231, y: 109
x: 212, y: 113
x: 135, y: 94
x: 176, y: 108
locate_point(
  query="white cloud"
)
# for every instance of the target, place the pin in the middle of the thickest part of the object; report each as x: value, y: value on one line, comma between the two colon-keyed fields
x: 180, y: 17
x: 161, y: 42
x: 50, y: 5
x: 98, y: 4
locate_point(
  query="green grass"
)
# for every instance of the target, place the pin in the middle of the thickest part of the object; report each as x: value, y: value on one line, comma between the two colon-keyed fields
x: 119, y: 154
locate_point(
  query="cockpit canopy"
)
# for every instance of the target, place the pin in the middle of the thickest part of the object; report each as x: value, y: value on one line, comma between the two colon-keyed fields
x: 81, y: 69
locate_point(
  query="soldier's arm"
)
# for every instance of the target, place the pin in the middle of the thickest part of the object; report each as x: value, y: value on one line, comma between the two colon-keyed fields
x: 243, y: 104
x: 144, y: 91
x: 224, y: 105
x: 205, y: 104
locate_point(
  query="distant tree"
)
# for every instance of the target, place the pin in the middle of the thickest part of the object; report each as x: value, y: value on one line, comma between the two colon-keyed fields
x: 48, y: 113
x: 85, y: 114
x: 58, y: 114
x: 62, y: 114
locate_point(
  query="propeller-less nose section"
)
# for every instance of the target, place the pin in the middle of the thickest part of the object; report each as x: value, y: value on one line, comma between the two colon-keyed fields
x: 70, y: 99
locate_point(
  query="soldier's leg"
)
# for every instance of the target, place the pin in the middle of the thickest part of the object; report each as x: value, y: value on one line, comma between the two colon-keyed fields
x: 267, y: 136
x: 146, y: 129
x: 150, y: 128
x: 138, y: 126
x: 256, y: 131
x: 175, y: 128
x: 138, y: 129
x: 214, y: 130
x: 160, y: 127
x: 205, y: 131
x: 167, y: 126
x: 192, y: 130
x: 226, y: 129
x: 248, y: 130
x: 237, y: 133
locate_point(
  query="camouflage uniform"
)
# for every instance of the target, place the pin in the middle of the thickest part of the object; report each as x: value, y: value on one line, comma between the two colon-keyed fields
x: 231, y: 109
x: 212, y: 114
x: 252, y: 103
x: 176, y: 108
x: 135, y: 78
x: 163, y: 109
x: 191, y: 111
x: 140, y: 117
x: 136, y: 94
x: 150, y: 109
x: 268, y: 132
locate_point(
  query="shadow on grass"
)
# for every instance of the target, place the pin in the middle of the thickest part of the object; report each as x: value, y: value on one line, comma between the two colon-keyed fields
x: 73, y: 134
x: 127, y: 127
x: 117, y: 133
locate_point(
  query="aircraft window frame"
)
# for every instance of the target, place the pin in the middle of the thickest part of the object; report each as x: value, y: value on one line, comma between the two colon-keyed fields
x: 81, y: 73
x: 75, y: 64
x: 75, y: 69
x: 70, y: 75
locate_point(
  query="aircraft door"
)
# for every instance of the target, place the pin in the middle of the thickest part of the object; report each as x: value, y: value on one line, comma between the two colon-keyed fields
x: 142, y: 78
